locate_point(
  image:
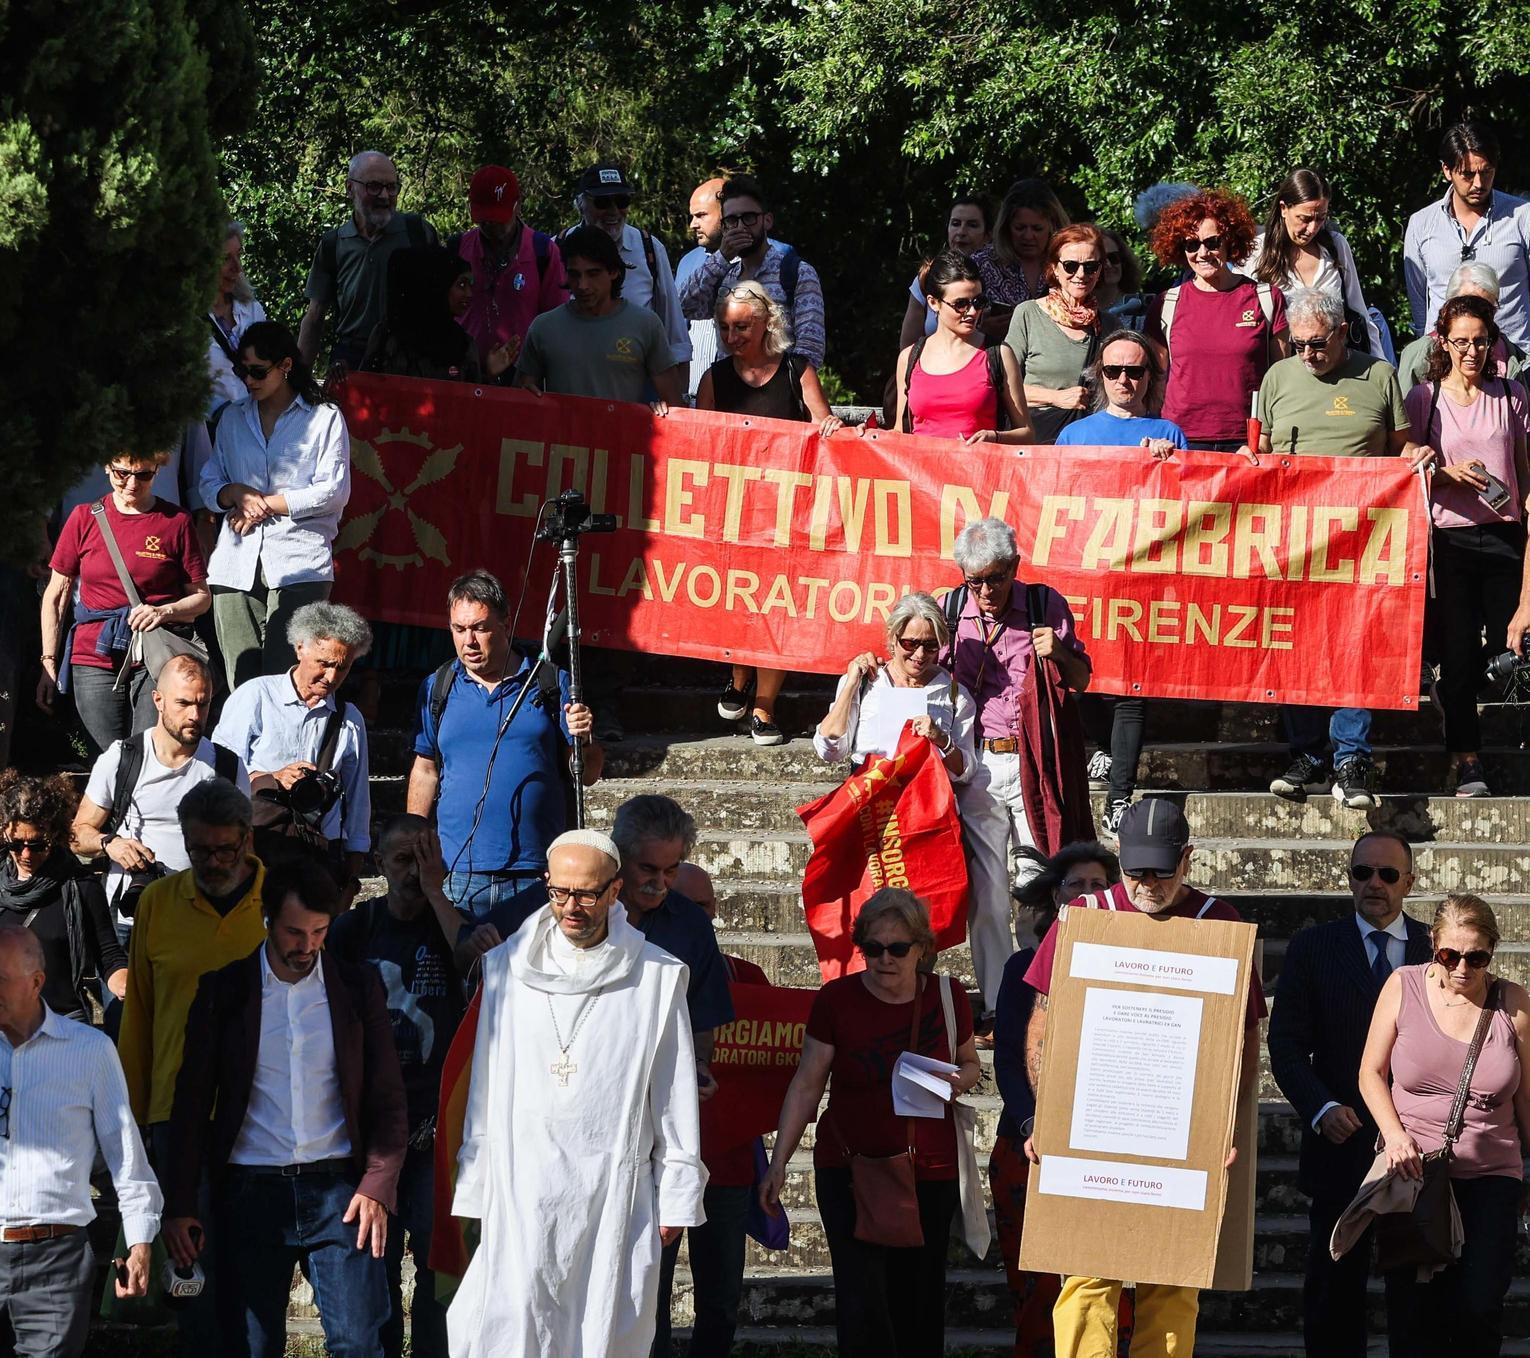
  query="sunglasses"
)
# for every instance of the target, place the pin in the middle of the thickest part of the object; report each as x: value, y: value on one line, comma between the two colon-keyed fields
x: 874, y: 950
x: 128, y: 474
x: 21, y: 846
x: 1072, y: 266
x: 977, y: 582
x: 1476, y: 959
x: 908, y: 646
x: 1363, y: 872
x: 1195, y: 244
x: 253, y: 372
x: 962, y: 305
x: 749, y: 219
x: 1315, y: 345
x: 1114, y: 371
x: 616, y: 200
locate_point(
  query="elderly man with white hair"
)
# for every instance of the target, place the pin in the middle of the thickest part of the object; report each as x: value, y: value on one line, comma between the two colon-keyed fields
x: 306, y: 750
x: 1015, y: 649
x: 581, y: 1145
x: 1329, y: 401
x: 350, y: 267
x: 1472, y: 279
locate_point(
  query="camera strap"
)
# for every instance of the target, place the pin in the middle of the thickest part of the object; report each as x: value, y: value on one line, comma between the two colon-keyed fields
x: 330, y: 741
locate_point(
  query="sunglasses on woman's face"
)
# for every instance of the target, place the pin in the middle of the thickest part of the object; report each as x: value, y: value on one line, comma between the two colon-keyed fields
x: 1114, y: 371
x: 962, y: 305
x: 253, y: 372
x: 125, y: 474
x: 1476, y: 959
x: 874, y: 950
x: 1195, y: 244
x: 1072, y: 266
x: 1363, y: 872
x: 908, y: 645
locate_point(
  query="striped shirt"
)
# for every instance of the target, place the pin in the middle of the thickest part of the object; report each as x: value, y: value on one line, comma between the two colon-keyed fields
x: 698, y: 297
x: 1435, y: 245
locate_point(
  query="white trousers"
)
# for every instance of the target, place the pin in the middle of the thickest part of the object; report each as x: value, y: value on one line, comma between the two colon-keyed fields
x: 993, y: 819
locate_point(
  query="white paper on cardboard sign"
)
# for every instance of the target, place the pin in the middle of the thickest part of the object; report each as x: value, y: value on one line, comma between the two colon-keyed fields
x: 1144, y: 966
x: 918, y: 1089
x: 1134, y: 1086
x: 1114, y: 1181
x: 882, y: 728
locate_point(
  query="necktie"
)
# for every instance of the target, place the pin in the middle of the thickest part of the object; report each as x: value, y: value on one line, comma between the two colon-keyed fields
x: 1381, y: 968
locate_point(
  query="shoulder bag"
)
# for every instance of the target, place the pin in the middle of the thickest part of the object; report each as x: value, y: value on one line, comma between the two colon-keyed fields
x: 1422, y: 1238
x: 971, y: 1223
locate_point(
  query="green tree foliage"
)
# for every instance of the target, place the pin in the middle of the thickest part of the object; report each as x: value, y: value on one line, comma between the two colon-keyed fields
x: 108, y: 205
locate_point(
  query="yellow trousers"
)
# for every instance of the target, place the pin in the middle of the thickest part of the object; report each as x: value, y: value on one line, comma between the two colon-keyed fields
x: 1084, y: 1319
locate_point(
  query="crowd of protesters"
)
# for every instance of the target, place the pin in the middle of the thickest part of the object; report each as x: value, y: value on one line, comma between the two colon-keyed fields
x: 281, y: 1041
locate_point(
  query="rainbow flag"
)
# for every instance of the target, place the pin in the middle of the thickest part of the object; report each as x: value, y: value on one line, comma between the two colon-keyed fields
x: 452, y: 1239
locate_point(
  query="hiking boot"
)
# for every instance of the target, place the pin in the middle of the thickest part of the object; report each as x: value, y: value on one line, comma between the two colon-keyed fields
x: 1306, y: 774
x: 1099, y: 770
x: 733, y: 703
x: 1470, y: 780
x: 764, y: 732
x: 1354, y: 783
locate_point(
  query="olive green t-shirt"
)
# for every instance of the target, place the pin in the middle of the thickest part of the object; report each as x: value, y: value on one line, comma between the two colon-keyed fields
x: 611, y: 357
x: 1349, y: 412
x: 1048, y: 358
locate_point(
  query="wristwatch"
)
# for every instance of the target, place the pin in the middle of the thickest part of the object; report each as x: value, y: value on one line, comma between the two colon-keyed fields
x: 107, y: 839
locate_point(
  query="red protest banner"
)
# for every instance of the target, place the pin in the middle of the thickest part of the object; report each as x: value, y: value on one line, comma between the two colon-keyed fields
x: 761, y: 542
x: 753, y: 1059
x: 892, y: 822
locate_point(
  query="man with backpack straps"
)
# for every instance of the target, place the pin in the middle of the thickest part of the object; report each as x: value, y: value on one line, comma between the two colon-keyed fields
x: 747, y: 252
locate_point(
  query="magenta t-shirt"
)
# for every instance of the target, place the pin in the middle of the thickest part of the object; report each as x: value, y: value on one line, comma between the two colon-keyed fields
x: 1218, y: 354
x: 1481, y: 432
x: 953, y: 405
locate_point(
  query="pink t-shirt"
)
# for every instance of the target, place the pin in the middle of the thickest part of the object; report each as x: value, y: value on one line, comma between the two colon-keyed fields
x: 1218, y: 354
x: 953, y: 405
x: 506, y: 300
x: 1481, y: 432
x: 1426, y: 1068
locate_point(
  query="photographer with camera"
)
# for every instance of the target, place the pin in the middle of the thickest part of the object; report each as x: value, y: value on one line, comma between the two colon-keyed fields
x: 306, y: 750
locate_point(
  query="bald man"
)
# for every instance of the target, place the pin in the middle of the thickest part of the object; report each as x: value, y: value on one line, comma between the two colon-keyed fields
x: 706, y: 229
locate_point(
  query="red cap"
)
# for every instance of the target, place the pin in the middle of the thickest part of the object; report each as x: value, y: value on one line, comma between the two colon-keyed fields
x: 493, y: 195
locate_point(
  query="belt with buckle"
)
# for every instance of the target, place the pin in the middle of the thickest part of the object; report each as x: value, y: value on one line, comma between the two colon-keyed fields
x: 32, y: 1235
x: 344, y: 1165
x: 1002, y: 745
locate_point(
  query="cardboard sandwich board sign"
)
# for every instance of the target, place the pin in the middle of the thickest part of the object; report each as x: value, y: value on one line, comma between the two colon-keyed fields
x: 1137, y: 1105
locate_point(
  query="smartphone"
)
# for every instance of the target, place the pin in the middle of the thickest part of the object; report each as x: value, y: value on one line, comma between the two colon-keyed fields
x: 1495, y: 492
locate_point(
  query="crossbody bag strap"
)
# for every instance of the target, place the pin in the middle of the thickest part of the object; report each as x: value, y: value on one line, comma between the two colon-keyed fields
x: 1457, y: 1117
x: 104, y: 524
x: 913, y: 1046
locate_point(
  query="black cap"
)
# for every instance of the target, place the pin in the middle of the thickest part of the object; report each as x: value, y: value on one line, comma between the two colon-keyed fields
x: 603, y: 179
x: 1152, y: 836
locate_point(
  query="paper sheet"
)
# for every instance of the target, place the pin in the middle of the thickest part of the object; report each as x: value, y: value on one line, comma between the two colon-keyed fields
x: 883, y: 727
x: 917, y: 1087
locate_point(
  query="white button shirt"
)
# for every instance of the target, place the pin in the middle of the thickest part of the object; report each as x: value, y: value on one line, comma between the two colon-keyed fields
x: 308, y: 459
x: 294, y: 1116
x: 64, y: 1095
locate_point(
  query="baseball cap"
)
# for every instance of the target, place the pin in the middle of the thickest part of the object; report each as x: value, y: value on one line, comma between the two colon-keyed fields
x: 606, y: 178
x: 493, y: 194
x: 1152, y: 836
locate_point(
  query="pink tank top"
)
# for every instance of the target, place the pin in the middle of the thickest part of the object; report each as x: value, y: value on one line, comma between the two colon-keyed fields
x: 1426, y: 1068
x: 953, y: 405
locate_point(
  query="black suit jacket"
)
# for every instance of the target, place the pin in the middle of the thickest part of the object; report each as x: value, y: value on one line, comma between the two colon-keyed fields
x: 1318, y: 1027
x: 212, y: 1091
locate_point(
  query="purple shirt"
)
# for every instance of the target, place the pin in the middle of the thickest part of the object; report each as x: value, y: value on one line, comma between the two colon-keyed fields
x: 1485, y: 432
x: 994, y: 656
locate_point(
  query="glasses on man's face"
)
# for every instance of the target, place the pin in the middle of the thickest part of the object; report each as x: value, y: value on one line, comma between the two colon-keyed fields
x: 962, y: 305
x: 1476, y: 959
x: 215, y: 853
x: 1072, y: 266
x: 1470, y: 346
x: 908, y: 645
x: 735, y: 219
x: 562, y: 895
x: 620, y: 201
x: 126, y: 474
x: 1316, y: 346
x: 1363, y: 872
x: 994, y: 581
x: 253, y: 372
x: 873, y: 950
x: 379, y: 188
x: 36, y: 844
x: 1115, y: 371
x: 1212, y: 245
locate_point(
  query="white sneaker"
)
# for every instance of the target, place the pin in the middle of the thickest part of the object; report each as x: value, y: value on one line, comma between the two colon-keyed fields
x: 1099, y: 770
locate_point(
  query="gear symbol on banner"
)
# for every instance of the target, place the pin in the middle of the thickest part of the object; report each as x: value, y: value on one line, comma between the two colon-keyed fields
x: 357, y: 533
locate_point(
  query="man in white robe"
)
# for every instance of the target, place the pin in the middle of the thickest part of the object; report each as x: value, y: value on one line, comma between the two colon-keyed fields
x: 581, y: 1151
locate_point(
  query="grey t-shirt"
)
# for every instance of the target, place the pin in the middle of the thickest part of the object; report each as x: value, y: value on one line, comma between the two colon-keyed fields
x: 357, y: 290
x: 610, y: 357
x: 1048, y: 358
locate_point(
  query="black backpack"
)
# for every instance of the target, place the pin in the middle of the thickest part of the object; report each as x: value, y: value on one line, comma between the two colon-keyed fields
x: 130, y: 765
x: 995, y: 380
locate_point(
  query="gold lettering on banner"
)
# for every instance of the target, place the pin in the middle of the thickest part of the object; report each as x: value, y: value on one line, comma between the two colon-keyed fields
x: 964, y: 499
x: 741, y: 586
x: 512, y: 451
x: 1324, y: 519
x: 697, y: 573
x: 595, y: 586
x: 814, y: 587
x: 678, y: 521
x: 787, y: 485
x: 1049, y: 524
x: 738, y: 478
x: 1156, y: 545
x: 1111, y: 537
x: 894, y: 518
x: 1207, y: 525
x: 636, y: 579
x: 1242, y: 615
x: 1384, y: 560
x: 637, y: 482
x: 1297, y: 557
x: 1250, y: 543
x: 572, y: 456
x: 780, y: 597
x: 1162, y: 615
x: 1281, y: 620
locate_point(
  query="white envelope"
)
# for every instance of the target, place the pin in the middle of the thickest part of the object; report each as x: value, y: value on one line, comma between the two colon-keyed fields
x: 917, y: 1087
x: 883, y: 728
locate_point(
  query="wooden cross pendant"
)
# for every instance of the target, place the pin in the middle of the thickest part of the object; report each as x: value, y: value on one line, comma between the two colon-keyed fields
x: 563, y: 1068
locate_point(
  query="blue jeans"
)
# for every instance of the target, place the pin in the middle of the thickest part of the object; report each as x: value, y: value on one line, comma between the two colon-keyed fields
x: 269, y: 1223
x: 427, y: 1317
x: 197, y: 1321
x: 1309, y: 730
x: 505, y: 898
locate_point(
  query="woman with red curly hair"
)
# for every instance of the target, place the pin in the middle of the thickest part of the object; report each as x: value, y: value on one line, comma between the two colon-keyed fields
x: 1222, y: 331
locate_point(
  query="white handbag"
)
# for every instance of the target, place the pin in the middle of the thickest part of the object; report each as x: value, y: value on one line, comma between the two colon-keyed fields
x: 971, y: 1223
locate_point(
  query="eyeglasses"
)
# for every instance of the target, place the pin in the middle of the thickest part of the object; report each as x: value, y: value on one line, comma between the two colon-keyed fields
x: 741, y: 219
x: 1363, y: 872
x: 1470, y: 346
x: 1210, y: 244
x: 126, y: 474
x: 616, y: 200
x: 908, y: 646
x: 1072, y: 266
x: 562, y: 895
x: 994, y: 581
x: 218, y: 853
x: 962, y: 305
x: 1149, y: 874
x: 5, y: 1112
x: 1115, y: 371
x: 36, y: 845
x: 1315, y: 345
x: 1113, y: 258
x: 1476, y: 959
x: 874, y: 950
x: 378, y: 188
x: 253, y: 372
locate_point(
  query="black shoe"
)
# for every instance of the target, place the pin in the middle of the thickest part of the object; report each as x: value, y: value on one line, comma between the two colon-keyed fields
x: 1354, y: 783
x: 1471, y: 781
x: 733, y: 703
x: 1306, y: 774
x: 765, y: 732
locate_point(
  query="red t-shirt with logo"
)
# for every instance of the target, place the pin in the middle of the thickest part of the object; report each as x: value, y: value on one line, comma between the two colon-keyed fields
x: 160, y: 550
x: 1192, y: 904
x: 1218, y: 353
x: 733, y: 1168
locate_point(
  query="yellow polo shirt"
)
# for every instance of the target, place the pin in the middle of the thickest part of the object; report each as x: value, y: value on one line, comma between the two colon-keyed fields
x: 178, y: 937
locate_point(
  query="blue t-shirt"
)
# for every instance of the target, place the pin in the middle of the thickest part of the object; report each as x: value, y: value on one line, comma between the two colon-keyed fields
x: 524, y: 809
x: 682, y: 929
x: 1104, y: 430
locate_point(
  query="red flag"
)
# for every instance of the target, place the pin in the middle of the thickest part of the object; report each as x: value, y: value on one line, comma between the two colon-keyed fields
x: 892, y: 822
x: 754, y: 1058
x: 449, y: 1248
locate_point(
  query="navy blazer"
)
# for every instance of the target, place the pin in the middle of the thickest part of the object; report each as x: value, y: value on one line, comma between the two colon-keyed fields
x: 1318, y: 1027
x: 212, y: 1090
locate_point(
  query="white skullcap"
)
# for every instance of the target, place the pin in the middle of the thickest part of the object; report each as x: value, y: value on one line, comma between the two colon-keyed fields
x: 588, y: 839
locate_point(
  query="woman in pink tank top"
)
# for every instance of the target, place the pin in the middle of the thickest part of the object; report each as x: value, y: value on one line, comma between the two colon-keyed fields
x: 949, y: 386
x: 1414, y: 1055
